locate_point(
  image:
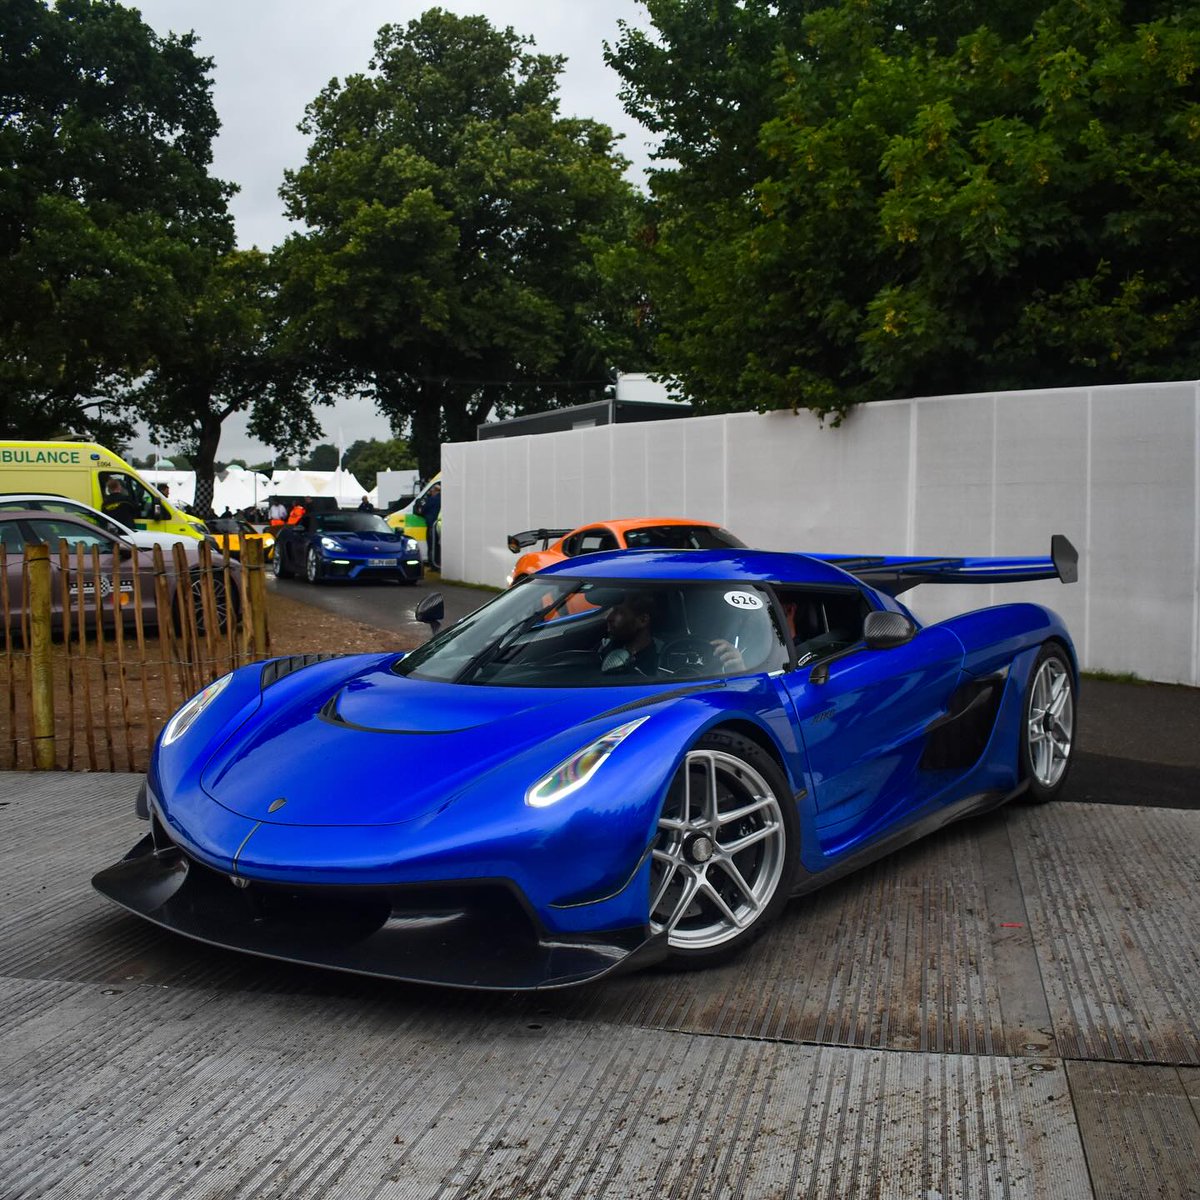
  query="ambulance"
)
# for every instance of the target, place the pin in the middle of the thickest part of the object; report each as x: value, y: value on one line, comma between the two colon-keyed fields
x: 81, y: 471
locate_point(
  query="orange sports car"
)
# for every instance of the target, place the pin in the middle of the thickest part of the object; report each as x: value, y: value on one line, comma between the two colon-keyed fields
x: 641, y: 533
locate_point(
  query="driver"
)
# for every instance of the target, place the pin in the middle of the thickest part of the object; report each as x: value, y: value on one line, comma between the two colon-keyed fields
x: 629, y: 646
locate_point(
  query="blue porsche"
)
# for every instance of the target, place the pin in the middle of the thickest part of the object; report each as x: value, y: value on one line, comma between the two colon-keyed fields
x: 325, y: 546
x: 628, y: 757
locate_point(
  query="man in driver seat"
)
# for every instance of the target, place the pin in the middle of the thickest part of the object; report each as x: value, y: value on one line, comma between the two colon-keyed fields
x: 629, y: 647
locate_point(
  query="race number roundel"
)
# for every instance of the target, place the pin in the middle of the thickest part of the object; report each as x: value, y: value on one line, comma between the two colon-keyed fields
x: 744, y: 600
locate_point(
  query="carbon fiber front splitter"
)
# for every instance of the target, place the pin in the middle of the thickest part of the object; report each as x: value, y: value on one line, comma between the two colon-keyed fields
x: 478, y: 934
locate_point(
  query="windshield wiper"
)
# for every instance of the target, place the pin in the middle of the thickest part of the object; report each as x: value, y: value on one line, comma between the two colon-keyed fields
x: 491, y: 653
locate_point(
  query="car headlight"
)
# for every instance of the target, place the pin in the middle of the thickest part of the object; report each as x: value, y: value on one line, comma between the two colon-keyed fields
x: 183, y: 720
x: 330, y: 544
x: 409, y: 545
x: 572, y: 773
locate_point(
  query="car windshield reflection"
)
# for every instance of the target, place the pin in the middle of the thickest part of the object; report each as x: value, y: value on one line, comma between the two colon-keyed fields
x: 571, y: 633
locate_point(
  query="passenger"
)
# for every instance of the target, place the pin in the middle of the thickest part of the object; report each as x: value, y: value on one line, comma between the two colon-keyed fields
x: 629, y: 646
x: 118, y: 504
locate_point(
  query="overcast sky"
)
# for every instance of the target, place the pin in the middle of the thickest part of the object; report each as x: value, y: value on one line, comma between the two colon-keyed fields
x: 272, y: 57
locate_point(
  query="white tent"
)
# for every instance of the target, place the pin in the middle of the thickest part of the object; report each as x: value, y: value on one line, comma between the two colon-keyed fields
x: 233, y: 488
x: 340, y: 484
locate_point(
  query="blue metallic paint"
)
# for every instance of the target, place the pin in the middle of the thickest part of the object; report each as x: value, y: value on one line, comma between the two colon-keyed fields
x: 390, y: 779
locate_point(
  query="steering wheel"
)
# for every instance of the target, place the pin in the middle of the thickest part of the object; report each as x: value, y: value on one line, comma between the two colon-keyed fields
x: 687, y: 653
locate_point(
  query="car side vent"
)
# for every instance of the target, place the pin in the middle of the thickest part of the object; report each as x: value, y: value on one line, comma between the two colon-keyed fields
x: 277, y: 668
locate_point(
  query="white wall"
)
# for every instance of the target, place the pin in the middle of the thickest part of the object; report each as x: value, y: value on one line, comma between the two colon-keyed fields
x: 1116, y: 469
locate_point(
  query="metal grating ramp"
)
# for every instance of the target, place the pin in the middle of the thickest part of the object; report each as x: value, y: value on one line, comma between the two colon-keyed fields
x: 1006, y: 1010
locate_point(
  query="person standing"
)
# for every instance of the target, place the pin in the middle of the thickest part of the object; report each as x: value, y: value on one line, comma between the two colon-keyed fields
x: 366, y: 505
x: 277, y: 513
x: 433, y: 534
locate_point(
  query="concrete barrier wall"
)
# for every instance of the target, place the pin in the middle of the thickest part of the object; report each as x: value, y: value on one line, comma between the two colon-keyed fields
x: 1115, y: 469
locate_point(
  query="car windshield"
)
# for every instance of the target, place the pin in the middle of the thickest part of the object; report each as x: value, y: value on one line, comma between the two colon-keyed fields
x: 351, y: 522
x: 571, y: 633
x: 681, y: 537
x: 225, y: 525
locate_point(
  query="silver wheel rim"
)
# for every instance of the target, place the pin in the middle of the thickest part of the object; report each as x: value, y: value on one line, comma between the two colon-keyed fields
x: 719, y: 853
x: 1051, y: 722
x: 275, y: 565
x: 310, y: 565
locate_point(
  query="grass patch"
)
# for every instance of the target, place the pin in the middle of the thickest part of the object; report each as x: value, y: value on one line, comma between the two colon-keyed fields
x: 462, y: 583
x: 1116, y: 677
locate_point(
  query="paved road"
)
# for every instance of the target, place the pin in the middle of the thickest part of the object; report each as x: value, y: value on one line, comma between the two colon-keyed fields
x: 1138, y: 743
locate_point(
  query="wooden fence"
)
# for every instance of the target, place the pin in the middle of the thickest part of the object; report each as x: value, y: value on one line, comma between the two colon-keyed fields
x: 84, y: 693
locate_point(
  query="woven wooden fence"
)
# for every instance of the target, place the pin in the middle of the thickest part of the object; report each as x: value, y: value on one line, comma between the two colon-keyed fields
x: 98, y: 656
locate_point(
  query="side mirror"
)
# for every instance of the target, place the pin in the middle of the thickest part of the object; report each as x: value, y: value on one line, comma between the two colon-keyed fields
x: 124, y: 551
x: 885, y: 630
x: 158, y: 512
x: 431, y: 611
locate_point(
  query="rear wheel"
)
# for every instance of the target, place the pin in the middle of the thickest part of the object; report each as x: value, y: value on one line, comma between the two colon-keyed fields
x: 220, y: 603
x: 725, y: 855
x: 278, y: 566
x: 1048, y: 725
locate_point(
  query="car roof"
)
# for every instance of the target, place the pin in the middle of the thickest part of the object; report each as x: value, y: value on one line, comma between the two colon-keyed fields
x: 40, y: 514
x: 625, y: 523
x: 763, y: 566
x: 7, y: 496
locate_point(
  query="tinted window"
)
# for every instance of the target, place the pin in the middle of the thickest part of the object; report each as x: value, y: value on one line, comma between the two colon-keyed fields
x: 681, y: 537
x: 592, y: 541
x: 52, y: 532
x: 11, y: 537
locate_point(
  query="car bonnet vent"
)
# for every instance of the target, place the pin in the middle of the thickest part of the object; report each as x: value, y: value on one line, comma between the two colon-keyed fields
x: 277, y: 668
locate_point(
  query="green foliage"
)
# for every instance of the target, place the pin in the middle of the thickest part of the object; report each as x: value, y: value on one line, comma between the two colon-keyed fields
x: 104, y: 192
x: 364, y: 460
x: 322, y: 458
x: 944, y: 197
x: 457, y: 231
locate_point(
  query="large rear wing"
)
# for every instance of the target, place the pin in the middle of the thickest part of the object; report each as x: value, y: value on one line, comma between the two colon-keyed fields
x: 894, y: 574
x: 522, y: 541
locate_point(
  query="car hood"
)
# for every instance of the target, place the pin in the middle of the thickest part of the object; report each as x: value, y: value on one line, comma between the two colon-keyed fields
x: 379, y: 748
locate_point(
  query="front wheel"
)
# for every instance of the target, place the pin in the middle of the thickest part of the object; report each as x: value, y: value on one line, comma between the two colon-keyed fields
x: 312, y: 566
x: 1048, y: 725
x: 725, y: 855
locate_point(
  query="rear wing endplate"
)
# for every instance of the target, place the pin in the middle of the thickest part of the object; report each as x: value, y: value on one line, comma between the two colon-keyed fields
x: 894, y: 574
x: 522, y: 541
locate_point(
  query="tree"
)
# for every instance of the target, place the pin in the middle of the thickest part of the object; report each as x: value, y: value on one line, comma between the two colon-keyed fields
x: 224, y: 355
x: 323, y: 458
x: 456, y: 223
x: 364, y: 460
x: 1002, y: 205
x: 105, y: 147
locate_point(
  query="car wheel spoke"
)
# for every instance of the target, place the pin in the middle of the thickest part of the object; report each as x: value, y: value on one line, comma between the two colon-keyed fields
x: 750, y: 839
x: 692, y: 863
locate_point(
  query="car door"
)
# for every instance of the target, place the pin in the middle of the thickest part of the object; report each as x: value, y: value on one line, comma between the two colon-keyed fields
x: 864, y: 716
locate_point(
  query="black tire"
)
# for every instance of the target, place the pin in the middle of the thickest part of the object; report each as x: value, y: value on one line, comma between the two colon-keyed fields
x: 314, y: 570
x: 279, y: 566
x: 1048, y: 724
x: 721, y: 917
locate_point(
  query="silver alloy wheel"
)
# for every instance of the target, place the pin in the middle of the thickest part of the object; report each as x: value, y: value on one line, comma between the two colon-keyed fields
x: 312, y: 566
x: 719, y: 854
x: 1051, y: 721
x: 276, y: 564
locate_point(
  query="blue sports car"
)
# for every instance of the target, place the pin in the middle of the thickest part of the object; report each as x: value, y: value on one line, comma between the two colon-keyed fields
x: 627, y: 757
x: 345, y: 545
